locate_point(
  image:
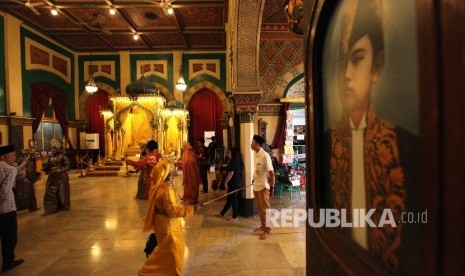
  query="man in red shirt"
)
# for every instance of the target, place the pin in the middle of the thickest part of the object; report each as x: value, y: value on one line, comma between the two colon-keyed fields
x: 148, y: 162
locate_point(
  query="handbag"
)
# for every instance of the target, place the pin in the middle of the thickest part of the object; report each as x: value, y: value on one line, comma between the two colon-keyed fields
x: 150, y: 244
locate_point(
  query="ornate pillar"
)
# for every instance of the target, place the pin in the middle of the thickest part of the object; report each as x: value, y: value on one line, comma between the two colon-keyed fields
x: 154, y: 125
x: 163, y: 137
x: 244, y: 45
x: 226, y: 133
x: 181, y: 128
x: 246, y: 108
x: 117, y: 145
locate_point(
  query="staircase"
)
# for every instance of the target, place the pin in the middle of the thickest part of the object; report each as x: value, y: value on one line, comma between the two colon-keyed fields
x: 109, y: 168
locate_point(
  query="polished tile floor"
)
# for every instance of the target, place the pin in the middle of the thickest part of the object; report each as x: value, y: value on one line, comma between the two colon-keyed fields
x: 102, y: 235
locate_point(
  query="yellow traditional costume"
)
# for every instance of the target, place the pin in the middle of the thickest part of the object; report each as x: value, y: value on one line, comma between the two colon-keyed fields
x: 163, y: 215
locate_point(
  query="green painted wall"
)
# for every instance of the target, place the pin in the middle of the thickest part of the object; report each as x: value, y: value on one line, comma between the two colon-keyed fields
x: 220, y: 82
x: 168, y: 57
x: 33, y: 76
x: 2, y: 68
x: 115, y: 84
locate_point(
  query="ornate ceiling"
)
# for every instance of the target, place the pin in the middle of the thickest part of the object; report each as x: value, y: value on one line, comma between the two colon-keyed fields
x: 86, y: 25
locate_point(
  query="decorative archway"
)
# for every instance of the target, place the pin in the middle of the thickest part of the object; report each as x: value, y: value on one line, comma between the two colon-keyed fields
x: 290, y: 79
x: 296, y: 89
x: 98, y: 102
x: 205, y: 111
x: 85, y: 96
x: 227, y: 105
x: 42, y: 94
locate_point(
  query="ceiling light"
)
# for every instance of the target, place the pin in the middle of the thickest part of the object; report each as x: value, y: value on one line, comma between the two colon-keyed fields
x: 136, y: 37
x: 112, y: 11
x: 91, y: 86
x: 170, y: 10
x: 181, y: 84
x: 54, y: 11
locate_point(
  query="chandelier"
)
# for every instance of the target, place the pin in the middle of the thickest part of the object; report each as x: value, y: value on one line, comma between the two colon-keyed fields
x: 91, y: 86
x: 181, y: 84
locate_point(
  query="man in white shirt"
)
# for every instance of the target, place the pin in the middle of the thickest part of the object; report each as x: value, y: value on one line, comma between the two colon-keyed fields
x: 263, y: 182
x: 8, y: 219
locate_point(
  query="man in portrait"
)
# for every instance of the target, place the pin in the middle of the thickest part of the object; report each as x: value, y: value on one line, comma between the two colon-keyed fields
x: 371, y: 163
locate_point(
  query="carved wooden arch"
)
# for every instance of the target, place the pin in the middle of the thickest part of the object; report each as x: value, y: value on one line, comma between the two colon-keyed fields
x: 227, y: 105
x: 85, y: 96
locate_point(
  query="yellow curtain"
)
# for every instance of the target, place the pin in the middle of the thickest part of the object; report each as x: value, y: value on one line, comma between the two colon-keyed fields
x: 172, y: 134
x: 141, y: 130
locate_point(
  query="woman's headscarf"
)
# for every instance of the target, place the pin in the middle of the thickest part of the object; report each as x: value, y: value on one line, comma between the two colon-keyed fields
x: 158, y: 175
x: 188, y: 153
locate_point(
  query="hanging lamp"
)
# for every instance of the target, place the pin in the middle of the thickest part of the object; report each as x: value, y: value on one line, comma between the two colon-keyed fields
x: 181, y: 84
x: 91, y: 86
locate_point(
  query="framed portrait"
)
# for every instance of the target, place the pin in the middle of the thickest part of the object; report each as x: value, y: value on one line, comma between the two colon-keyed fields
x: 362, y: 62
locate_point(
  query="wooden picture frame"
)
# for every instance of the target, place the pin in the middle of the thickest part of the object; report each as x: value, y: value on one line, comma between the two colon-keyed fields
x: 262, y: 128
x: 342, y: 252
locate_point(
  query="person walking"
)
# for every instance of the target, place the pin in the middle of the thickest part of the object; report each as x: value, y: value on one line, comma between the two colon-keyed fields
x: 263, y: 183
x: 149, y: 161
x: 142, y: 182
x: 191, y: 176
x: 8, y: 218
x: 232, y: 182
x: 163, y: 217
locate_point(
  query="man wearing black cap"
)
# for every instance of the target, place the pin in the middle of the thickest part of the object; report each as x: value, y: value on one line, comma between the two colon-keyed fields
x: 8, y: 220
x: 263, y: 182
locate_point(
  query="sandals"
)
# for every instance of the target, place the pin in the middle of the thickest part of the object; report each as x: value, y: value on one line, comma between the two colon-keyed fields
x: 258, y: 229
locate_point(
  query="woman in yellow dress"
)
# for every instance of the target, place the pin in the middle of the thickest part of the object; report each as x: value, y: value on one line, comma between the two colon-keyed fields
x: 163, y: 216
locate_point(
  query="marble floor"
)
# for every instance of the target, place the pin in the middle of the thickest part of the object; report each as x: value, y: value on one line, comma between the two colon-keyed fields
x: 102, y: 235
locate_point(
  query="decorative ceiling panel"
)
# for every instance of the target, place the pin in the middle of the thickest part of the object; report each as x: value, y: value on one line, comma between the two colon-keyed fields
x: 205, y: 40
x: 87, y: 25
x: 165, y: 40
x: 150, y: 17
x: 202, y: 17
